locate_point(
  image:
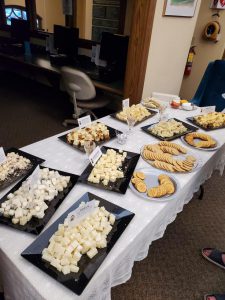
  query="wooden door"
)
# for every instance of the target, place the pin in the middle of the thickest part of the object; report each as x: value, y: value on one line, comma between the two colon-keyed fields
x: 139, y: 43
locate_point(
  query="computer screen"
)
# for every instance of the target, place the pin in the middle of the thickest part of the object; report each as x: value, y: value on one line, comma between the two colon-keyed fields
x: 114, y: 49
x: 20, y: 30
x: 66, y: 40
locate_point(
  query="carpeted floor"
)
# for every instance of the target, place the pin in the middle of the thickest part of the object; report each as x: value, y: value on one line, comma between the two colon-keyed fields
x: 174, y: 268
x: 38, y: 109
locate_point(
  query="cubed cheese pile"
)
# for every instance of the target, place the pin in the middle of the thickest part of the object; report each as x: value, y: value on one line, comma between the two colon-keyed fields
x: 69, y: 243
x: 108, y: 168
x: 138, y: 112
x: 214, y: 119
x: 14, y: 163
x: 95, y: 132
x: 168, y: 128
x: 26, y: 203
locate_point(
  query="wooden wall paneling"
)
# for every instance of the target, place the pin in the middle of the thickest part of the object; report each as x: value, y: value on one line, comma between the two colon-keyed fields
x: 139, y: 43
x: 31, y: 13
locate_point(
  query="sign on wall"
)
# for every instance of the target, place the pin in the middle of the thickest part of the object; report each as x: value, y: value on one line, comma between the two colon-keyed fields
x: 180, y: 8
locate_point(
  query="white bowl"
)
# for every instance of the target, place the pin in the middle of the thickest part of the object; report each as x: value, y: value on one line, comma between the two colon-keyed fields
x: 187, y: 106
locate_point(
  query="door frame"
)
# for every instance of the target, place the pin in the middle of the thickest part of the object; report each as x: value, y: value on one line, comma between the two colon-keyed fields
x: 139, y: 43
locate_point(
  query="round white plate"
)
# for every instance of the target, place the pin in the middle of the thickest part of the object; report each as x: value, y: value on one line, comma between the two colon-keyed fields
x: 151, y: 180
x: 197, y: 164
x: 203, y: 149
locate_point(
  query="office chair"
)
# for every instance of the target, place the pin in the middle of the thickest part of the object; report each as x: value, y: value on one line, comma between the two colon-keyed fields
x: 82, y: 94
x: 211, y: 90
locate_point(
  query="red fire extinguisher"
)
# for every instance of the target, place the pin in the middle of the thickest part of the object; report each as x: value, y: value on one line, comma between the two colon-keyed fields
x: 188, y: 67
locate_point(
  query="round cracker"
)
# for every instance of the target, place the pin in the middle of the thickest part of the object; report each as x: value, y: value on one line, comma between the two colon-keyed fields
x: 141, y: 187
x: 135, y: 180
x: 152, y: 192
x: 140, y: 175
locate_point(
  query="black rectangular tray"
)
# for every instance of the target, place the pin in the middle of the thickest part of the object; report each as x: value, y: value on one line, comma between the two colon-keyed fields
x: 112, y: 134
x: 153, y: 113
x: 36, y: 225
x: 191, y: 119
x: 120, y: 185
x: 188, y: 126
x: 34, y: 162
x: 77, y: 282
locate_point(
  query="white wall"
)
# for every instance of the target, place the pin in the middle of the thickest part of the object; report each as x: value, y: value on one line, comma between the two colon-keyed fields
x: 169, y: 46
x: 51, y: 12
x: 84, y: 18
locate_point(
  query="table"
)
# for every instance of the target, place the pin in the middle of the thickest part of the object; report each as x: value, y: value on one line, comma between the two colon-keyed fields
x: 40, y: 65
x: 22, y: 280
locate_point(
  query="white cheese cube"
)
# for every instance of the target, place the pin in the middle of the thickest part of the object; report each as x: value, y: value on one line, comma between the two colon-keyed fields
x: 18, y: 213
x: 51, y: 247
x: 15, y: 220
x: 23, y: 221
x: 59, y: 268
x: 59, y: 249
x: 10, y: 196
x: 112, y: 219
x: 92, y: 252
x: 4, y: 204
x: 66, y: 270
x: 74, y: 269
x: 77, y: 256
x: 55, y: 262
x: 64, y: 262
x: 47, y: 257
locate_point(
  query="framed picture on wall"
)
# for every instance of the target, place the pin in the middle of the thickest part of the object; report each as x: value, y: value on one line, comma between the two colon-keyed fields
x: 218, y: 4
x: 180, y: 8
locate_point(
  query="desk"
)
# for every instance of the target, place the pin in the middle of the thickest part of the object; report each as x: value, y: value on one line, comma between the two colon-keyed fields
x: 24, y: 281
x: 40, y: 63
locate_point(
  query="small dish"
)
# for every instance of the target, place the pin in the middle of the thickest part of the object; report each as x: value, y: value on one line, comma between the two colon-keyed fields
x: 203, y: 149
x: 188, y: 106
x: 151, y: 180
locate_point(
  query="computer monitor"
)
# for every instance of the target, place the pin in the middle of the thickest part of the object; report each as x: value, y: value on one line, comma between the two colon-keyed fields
x: 20, y: 30
x: 114, y: 49
x: 66, y: 40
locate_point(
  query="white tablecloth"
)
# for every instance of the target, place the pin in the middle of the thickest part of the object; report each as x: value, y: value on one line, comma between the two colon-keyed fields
x: 22, y: 280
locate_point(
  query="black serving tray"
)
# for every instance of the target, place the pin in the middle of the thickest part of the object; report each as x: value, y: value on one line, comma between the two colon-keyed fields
x: 36, y: 225
x: 188, y: 126
x: 77, y: 282
x: 192, y: 120
x: 120, y: 185
x: 112, y: 134
x: 19, y: 174
x: 153, y: 113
